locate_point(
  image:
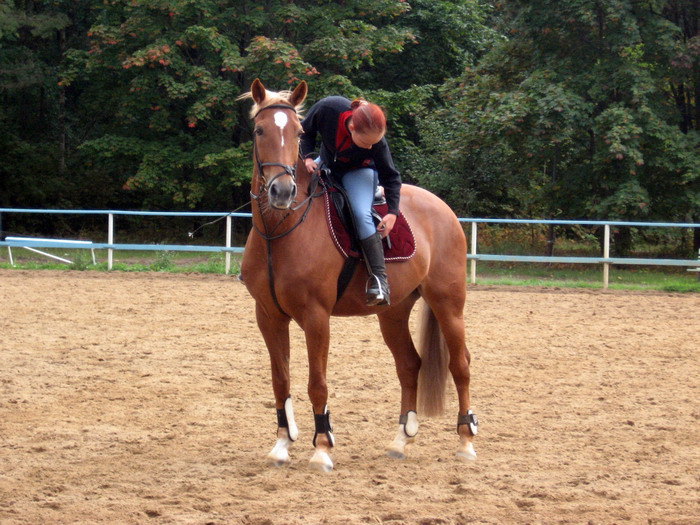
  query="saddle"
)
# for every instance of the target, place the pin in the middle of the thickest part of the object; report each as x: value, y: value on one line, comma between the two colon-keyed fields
x: 399, y: 246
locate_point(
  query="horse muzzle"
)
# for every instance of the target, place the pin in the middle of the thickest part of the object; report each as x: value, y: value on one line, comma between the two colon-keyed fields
x: 282, y: 192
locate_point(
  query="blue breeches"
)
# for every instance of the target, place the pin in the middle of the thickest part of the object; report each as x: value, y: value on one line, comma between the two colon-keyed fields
x: 360, y: 186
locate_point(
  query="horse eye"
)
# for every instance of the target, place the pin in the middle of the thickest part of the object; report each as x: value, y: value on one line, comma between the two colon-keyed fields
x: 258, y: 131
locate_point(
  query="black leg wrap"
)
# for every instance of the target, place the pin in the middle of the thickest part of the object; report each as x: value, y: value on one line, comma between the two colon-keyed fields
x: 324, y: 426
x: 469, y: 419
x: 282, y: 418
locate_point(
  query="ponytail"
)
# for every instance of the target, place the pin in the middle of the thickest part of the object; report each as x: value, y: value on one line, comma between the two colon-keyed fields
x: 358, y: 102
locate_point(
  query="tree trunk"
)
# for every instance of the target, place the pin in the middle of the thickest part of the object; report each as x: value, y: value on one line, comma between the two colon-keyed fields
x: 551, y: 239
x: 62, y: 113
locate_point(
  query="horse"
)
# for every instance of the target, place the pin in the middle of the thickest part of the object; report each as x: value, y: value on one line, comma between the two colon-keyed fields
x: 291, y: 267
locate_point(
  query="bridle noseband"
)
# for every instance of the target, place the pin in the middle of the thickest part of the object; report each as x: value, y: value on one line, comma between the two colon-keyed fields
x: 288, y: 170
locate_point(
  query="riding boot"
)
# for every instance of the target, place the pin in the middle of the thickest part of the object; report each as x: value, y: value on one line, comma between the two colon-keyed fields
x: 378, y: 283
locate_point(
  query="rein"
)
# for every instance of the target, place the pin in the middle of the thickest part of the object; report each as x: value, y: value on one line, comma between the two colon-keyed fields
x: 269, y: 235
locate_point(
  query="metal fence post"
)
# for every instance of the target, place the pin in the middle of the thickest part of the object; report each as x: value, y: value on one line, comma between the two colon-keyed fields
x: 110, y: 240
x: 473, y: 252
x: 228, y: 244
x: 606, y: 255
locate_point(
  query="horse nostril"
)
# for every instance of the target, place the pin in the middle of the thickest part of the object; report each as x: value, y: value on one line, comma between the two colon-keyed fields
x: 294, y: 191
x: 273, y: 190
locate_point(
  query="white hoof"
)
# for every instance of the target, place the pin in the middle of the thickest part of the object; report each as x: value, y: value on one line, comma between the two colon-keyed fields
x: 467, y: 452
x: 396, y: 454
x: 397, y: 448
x: 279, y: 455
x: 321, y: 461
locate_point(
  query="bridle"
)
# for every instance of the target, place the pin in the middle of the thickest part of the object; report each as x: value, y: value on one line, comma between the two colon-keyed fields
x: 287, y: 169
x: 269, y: 233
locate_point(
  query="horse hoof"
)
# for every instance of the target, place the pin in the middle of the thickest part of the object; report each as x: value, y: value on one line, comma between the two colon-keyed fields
x: 321, y: 462
x: 279, y: 455
x: 396, y: 454
x: 467, y: 453
x: 277, y: 459
x: 277, y: 463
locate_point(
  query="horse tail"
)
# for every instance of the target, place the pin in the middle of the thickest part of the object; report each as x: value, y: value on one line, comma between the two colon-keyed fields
x: 434, y: 368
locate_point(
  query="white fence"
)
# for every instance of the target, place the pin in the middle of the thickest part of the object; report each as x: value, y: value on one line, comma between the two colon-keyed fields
x: 473, y: 255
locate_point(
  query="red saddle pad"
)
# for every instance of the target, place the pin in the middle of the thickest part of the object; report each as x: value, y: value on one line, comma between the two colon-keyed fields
x: 402, y: 241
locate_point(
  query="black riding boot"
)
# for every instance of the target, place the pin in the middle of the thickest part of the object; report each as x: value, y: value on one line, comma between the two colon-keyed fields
x: 378, y: 284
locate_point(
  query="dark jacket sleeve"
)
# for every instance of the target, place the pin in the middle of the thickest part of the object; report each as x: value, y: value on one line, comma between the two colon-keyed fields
x: 389, y: 177
x: 312, y: 127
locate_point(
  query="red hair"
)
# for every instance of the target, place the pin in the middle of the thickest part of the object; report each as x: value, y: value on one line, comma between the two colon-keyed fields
x: 367, y: 117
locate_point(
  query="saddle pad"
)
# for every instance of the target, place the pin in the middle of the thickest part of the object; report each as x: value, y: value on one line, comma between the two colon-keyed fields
x: 403, y: 243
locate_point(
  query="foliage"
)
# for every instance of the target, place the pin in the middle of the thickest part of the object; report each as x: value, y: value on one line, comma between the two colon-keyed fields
x: 575, y: 108
x: 571, y: 116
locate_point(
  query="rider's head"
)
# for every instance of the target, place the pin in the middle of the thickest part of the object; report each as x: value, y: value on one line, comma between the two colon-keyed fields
x: 367, y: 124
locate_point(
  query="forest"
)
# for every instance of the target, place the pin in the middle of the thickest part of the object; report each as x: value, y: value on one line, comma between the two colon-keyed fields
x: 566, y: 109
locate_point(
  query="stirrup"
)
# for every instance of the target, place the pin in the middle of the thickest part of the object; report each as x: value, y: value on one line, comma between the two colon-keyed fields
x: 375, y: 292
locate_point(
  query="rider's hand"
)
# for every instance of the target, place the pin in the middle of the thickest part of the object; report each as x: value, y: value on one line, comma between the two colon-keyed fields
x: 386, y: 224
x: 311, y: 165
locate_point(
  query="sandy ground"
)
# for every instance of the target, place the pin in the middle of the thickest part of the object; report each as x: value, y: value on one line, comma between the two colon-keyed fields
x: 145, y: 398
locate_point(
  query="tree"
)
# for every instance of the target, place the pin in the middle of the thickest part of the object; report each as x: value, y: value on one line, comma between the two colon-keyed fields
x: 169, y: 74
x: 572, y: 116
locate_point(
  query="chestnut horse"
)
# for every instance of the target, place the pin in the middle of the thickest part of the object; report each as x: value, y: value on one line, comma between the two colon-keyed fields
x: 291, y: 267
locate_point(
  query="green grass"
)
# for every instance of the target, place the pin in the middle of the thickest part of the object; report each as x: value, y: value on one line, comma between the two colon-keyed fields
x: 668, y: 279
x: 126, y: 261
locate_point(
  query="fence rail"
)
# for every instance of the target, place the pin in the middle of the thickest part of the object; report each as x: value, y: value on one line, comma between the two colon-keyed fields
x: 473, y: 255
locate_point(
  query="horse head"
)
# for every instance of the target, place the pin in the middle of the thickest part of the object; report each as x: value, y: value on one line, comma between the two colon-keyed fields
x: 276, y: 142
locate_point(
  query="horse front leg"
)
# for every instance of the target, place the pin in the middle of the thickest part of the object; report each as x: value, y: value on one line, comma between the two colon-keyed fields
x: 397, y: 336
x: 316, y: 326
x: 275, y: 331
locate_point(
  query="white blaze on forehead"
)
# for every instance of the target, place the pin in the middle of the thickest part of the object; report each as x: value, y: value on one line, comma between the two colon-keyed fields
x: 281, y: 120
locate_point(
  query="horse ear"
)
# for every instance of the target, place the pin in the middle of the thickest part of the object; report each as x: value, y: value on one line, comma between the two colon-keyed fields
x: 258, y: 91
x: 299, y: 93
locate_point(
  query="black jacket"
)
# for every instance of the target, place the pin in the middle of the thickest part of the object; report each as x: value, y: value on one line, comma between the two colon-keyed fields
x: 323, y: 119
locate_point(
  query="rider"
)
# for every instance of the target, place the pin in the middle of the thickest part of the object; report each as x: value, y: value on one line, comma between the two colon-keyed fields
x: 354, y: 148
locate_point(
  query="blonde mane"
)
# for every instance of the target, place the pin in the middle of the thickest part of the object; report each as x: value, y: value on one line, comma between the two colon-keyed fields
x: 271, y: 97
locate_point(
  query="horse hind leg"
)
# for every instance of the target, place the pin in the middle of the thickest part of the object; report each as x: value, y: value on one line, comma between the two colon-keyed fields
x: 396, y: 333
x: 447, y: 308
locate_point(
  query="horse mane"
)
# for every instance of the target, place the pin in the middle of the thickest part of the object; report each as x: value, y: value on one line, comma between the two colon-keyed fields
x: 271, y: 97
